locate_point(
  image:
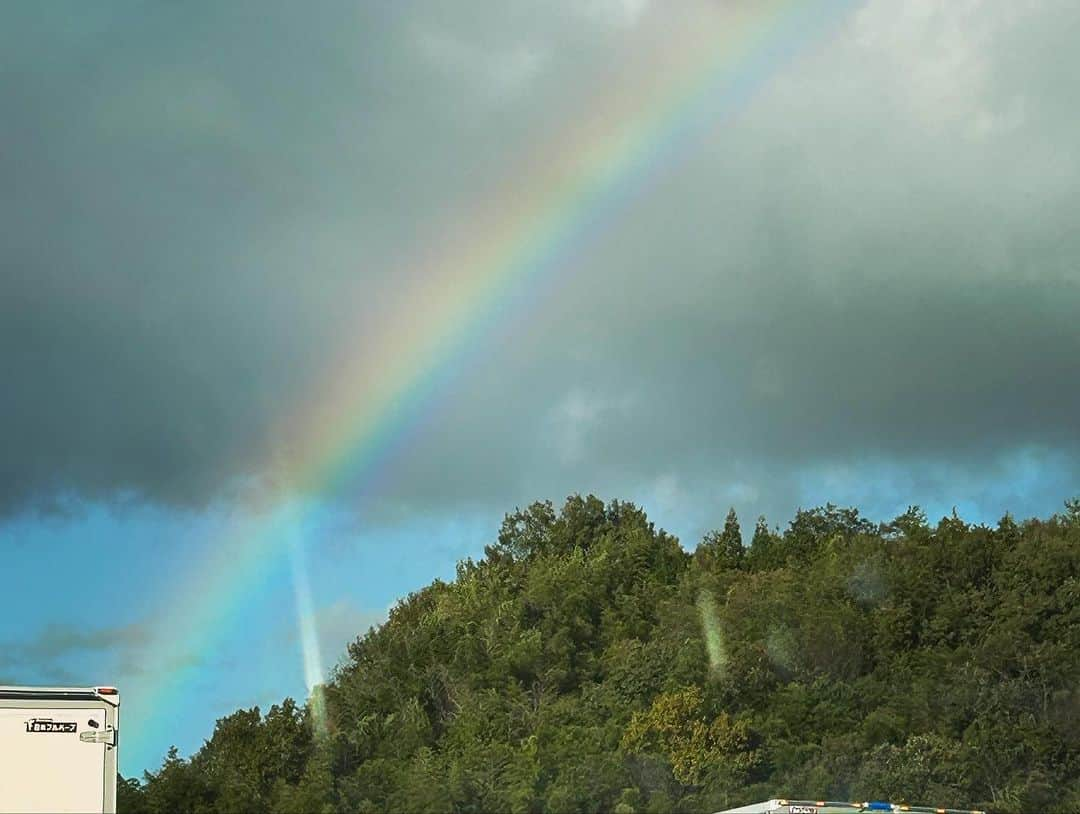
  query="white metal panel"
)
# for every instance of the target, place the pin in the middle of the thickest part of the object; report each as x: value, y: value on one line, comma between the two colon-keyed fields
x: 46, y: 769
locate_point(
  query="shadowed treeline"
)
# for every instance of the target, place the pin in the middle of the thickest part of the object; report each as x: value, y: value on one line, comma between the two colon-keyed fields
x: 588, y: 663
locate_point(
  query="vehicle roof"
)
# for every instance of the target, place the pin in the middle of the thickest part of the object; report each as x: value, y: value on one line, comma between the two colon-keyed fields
x: 784, y: 806
x: 62, y: 693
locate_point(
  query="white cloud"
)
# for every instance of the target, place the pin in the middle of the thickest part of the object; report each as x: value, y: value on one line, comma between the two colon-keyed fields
x: 577, y: 415
x: 494, y: 73
x: 616, y: 12
x: 939, y: 57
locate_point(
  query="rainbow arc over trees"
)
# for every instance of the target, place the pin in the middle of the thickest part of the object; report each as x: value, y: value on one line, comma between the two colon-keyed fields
x: 514, y: 241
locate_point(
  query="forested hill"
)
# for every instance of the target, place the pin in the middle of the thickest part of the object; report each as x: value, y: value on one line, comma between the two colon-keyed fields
x: 588, y: 663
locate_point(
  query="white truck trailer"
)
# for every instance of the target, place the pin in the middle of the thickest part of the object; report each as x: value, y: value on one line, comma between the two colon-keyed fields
x: 830, y: 807
x: 58, y: 749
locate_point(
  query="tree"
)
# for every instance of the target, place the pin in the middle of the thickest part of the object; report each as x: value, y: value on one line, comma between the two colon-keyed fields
x: 923, y: 767
x: 177, y: 788
x: 723, y: 550
x: 526, y: 533
x: 765, y: 552
x: 130, y: 797
x: 1072, y: 512
x: 677, y: 727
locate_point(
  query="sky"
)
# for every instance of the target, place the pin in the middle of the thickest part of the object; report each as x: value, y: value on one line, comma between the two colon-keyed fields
x: 391, y: 270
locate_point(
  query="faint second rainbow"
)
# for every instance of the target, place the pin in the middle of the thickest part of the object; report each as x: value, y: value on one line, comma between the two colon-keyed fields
x: 516, y: 238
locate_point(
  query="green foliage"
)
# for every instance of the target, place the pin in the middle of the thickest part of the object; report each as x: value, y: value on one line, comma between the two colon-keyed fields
x: 677, y: 727
x: 177, y: 786
x: 722, y: 551
x: 130, y: 797
x: 587, y: 663
x: 765, y: 548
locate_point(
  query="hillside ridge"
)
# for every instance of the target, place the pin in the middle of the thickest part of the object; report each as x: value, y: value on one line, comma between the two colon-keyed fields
x: 588, y: 663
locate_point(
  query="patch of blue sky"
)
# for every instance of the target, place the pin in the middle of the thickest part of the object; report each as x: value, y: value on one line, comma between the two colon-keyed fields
x: 91, y: 611
x: 1026, y: 482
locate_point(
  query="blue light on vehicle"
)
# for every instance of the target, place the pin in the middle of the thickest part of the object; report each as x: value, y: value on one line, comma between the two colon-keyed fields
x: 878, y: 806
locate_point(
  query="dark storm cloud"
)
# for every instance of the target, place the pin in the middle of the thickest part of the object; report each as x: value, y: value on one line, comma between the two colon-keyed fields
x: 876, y: 261
x: 200, y: 200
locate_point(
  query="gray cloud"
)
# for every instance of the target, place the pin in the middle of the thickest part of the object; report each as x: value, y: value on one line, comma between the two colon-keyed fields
x: 56, y: 645
x: 67, y: 655
x: 874, y: 261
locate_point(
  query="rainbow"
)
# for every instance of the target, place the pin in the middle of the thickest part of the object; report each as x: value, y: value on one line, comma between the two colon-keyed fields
x: 492, y: 265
